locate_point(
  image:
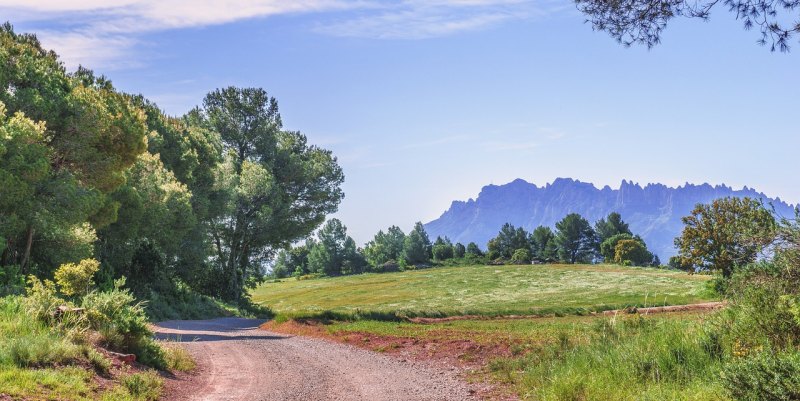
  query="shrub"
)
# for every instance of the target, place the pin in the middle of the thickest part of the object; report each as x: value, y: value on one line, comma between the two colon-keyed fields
x: 764, y: 377
x: 41, y: 301
x: 122, y: 323
x: 521, y: 256
x: 177, y: 358
x: 76, y: 279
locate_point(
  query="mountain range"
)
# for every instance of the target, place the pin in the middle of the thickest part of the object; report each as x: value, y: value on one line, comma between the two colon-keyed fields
x: 653, y: 211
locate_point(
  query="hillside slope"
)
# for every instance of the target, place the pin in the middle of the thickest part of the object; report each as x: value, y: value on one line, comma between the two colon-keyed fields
x: 653, y: 211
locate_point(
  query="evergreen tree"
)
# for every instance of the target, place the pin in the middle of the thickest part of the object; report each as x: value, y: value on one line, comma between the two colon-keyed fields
x: 416, y: 246
x: 575, y: 239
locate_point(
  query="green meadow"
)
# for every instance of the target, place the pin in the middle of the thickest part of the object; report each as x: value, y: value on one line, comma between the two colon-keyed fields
x: 486, y: 290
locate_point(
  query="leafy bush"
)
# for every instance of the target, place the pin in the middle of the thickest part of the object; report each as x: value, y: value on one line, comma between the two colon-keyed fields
x: 122, y: 323
x: 764, y: 377
x: 76, y: 279
x: 41, y: 300
x: 761, y: 315
x: 521, y: 256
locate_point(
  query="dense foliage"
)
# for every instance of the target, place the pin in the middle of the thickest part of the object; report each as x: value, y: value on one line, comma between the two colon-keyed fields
x: 197, y: 203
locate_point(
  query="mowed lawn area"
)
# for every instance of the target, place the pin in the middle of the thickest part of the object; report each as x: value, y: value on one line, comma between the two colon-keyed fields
x: 487, y: 290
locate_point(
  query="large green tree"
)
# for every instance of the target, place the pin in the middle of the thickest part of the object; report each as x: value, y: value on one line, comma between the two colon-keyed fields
x: 335, y: 252
x: 507, y: 241
x: 610, y: 226
x: 385, y: 247
x: 543, y: 246
x: 442, y: 249
x: 575, y: 239
x: 278, y: 188
x: 92, y: 133
x: 416, y: 246
x: 725, y: 234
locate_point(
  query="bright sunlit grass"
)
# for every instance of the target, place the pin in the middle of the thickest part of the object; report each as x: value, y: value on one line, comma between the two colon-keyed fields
x: 487, y: 290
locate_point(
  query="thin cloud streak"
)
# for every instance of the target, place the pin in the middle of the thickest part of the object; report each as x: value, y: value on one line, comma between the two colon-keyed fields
x: 107, y: 33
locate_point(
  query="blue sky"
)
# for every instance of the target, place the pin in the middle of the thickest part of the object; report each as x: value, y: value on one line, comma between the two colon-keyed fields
x: 425, y: 102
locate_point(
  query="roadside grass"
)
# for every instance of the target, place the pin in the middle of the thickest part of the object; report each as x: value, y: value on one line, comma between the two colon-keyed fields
x: 177, y: 358
x: 482, y: 290
x: 43, y: 362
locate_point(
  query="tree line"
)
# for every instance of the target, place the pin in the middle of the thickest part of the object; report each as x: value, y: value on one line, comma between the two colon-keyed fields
x: 202, y: 200
x: 574, y: 240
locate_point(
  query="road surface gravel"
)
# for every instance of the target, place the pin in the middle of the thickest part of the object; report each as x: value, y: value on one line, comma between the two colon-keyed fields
x: 238, y: 361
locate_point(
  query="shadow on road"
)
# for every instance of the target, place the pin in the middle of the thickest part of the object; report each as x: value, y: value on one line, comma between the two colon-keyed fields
x: 222, y: 329
x: 192, y: 337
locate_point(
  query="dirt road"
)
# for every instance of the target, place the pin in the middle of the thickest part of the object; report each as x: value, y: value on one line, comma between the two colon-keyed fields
x: 239, y: 361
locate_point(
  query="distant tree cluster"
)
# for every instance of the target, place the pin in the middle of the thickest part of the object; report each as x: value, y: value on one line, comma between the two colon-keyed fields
x: 573, y: 241
x: 388, y: 251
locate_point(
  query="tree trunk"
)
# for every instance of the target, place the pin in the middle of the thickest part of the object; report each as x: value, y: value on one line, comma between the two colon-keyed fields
x: 28, y: 244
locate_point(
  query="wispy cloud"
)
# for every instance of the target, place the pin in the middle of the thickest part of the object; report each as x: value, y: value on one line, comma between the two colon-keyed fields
x: 107, y: 33
x: 438, y: 142
x: 498, y: 146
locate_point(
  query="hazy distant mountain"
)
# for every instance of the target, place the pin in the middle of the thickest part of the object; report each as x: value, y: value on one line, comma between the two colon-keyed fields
x: 654, y: 212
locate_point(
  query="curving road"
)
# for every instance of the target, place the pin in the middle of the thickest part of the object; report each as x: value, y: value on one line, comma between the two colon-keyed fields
x: 238, y: 361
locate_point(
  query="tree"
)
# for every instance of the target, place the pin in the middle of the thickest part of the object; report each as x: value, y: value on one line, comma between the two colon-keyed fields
x: 521, y: 256
x: 609, y: 227
x: 575, y: 239
x: 459, y: 250
x: 725, y: 234
x: 277, y: 188
x: 508, y: 240
x: 416, y: 246
x: 442, y: 249
x: 335, y: 252
x: 474, y: 250
x: 90, y: 134
x: 385, y: 247
x: 609, y: 246
x: 543, y: 248
x: 642, y: 21
x: 632, y: 252
x: 156, y: 213
x: 293, y: 261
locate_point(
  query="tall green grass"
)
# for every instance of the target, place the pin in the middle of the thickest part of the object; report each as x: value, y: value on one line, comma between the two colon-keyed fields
x: 43, y: 360
x: 622, y: 359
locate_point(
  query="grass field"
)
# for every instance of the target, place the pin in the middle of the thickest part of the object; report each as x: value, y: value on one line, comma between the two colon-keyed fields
x: 486, y: 290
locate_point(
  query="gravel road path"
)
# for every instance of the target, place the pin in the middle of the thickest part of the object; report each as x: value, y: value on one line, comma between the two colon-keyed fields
x: 238, y: 361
